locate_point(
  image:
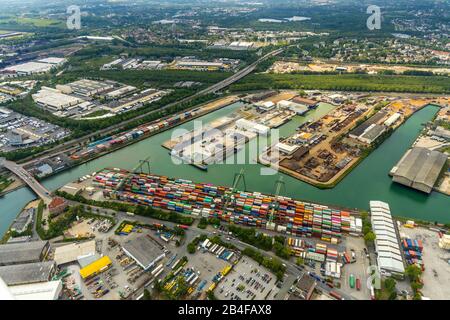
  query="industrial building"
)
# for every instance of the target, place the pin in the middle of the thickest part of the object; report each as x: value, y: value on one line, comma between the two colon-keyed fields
x: 389, y: 256
x: 28, y: 273
x: 299, y: 109
x: 20, y: 253
x: 50, y: 290
x: 144, y: 250
x: 89, y: 88
x: 303, y: 289
x: 23, y: 220
x: 96, y: 267
x: 28, y: 68
x: 199, y: 65
x: 252, y: 126
x: 372, y: 133
x: 419, y: 168
x: 55, y: 100
x: 361, y: 129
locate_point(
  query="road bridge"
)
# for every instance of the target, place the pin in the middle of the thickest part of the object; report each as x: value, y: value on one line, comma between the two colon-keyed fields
x: 27, y: 178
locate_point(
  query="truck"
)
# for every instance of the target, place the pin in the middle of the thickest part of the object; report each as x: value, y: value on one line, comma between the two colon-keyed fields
x: 351, y: 281
x: 336, y: 295
x: 358, y: 284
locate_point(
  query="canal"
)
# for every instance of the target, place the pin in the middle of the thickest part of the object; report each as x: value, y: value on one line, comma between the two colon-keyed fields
x: 368, y: 181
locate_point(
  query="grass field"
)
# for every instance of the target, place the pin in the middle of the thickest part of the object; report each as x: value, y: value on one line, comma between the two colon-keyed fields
x: 346, y: 82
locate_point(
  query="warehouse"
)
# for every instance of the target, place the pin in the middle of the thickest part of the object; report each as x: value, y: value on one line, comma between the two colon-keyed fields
x: 144, y: 250
x: 419, y: 169
x: 359, y: 130
x: 252, y: 126
x: 72, y: 252
x: 53, y: 61
x: 29, y: 68
x: 28, y: 273
x: 199, y: 65
x: 389, y: 256
x: 372, y: 133
x: 50, y: 290
x: 96, y: 267
x: 55, y: 100
x: 89, y: 88
x: 26, y: 252
x: 392, y: 119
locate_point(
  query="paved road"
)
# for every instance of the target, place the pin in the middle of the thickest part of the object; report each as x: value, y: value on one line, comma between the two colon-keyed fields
x: 27, y: 178
x: 214, y: 88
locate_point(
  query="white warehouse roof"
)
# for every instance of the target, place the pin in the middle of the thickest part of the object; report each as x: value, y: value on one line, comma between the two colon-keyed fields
x: 37, y: 291
x: 386, y: 241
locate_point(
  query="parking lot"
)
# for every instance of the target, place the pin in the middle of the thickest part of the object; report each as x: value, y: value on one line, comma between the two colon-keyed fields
x: 436, y: 275
x: 355, y: 249
x: 208, y: 265
x: 247, y: 281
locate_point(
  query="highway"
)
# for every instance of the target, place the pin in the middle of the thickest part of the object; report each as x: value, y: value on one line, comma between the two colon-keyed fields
x: 27, y: 178
x: 214, y: 88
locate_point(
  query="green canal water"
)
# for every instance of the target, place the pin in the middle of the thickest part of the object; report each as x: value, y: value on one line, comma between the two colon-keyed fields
x: 368, y: 181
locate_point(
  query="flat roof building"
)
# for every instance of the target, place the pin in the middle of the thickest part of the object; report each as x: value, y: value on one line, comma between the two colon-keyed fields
x: 419, y: 168
x: 72, y: 252
x: 50, y: 290
x: 24, y: 252
x: 28, y: 273
x: 144, y: 250
x: 55, y: 100
x: 389, y: 256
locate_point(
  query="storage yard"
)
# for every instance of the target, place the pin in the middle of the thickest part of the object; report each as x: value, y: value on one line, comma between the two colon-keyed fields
x: 425, y: 250
x: 206, y: 200
x: 321, y: 152
x: 216, y: 141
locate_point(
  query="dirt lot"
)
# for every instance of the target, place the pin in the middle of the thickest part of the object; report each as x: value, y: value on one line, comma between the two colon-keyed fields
x: 435, y: 259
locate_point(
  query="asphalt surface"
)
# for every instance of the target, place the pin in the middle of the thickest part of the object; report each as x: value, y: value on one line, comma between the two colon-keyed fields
x: 27, y: 178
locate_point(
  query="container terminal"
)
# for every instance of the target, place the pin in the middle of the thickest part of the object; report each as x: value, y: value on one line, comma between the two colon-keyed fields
x: 254, y: 209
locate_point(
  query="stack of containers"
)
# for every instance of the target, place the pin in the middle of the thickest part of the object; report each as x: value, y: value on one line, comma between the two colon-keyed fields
x: 321, y: 248
x: 253, y: 209
x: 332, y: 255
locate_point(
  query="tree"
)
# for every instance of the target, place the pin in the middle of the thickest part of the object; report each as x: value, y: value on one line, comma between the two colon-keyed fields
x: 191, y: 248
x: 369, y: 237
x: 413, y: 272
x: 147, y: 295
x: 390, y: 284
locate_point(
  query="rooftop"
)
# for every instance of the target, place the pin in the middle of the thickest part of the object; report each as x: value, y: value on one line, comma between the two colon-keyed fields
x: 74, y: 251
x: 420, y: 166
x: 144, y: 250
x: 27, y: 273
x: 24, y: 252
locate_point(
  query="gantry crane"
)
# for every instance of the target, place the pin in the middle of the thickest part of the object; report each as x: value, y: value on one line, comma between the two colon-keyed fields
x: 275, y: 205
x: 237, y: 178
x: 133, y: 171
